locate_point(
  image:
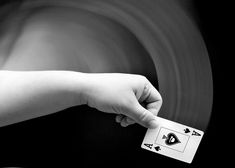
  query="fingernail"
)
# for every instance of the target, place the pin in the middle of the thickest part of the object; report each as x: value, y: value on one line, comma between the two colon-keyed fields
x: 153, y: 124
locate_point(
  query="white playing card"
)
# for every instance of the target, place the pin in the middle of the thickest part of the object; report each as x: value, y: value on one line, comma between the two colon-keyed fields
x: 173, y: 140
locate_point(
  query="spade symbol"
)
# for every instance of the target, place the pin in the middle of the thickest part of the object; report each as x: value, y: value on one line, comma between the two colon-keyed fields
x: 157, y: 148
x: 186, y: 130
x: 171, y: 139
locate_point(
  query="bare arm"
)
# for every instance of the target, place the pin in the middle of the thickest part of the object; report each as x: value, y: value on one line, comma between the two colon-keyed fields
x: 30, y: 94
x: 28, y: 91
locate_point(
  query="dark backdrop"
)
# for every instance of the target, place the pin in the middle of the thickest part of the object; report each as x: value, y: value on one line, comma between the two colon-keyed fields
x: 85, y: 137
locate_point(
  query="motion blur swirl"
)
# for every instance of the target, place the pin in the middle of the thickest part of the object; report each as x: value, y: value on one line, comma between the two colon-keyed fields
x: 156, y: 38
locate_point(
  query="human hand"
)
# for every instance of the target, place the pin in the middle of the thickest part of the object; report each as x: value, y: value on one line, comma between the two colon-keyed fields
x: 132, y: 97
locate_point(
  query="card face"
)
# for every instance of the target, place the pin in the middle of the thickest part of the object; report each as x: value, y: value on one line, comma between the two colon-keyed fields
x: 173, y: 140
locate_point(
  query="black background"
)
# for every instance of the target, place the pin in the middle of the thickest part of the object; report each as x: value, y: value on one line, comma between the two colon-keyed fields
x: 84, y: 137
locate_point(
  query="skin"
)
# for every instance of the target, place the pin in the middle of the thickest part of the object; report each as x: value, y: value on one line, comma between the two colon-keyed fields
x: 51, y: 67
x: 30, y: 94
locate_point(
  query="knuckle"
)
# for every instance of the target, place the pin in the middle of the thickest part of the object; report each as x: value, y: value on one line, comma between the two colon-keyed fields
x: 143, y: 78
x: 160, y: 100
x: 143, y: 116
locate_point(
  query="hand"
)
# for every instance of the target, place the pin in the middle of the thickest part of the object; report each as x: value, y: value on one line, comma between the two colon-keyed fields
x: 132, y: 97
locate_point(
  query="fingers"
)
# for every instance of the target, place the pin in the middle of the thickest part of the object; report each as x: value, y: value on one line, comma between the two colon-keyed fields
x: 137, y: 113
x: 144, y: 117
x: 152, y: 98
x: 124, y: 120
x: 154, y: 94
x: 154, y: 107
x: 140, y: 115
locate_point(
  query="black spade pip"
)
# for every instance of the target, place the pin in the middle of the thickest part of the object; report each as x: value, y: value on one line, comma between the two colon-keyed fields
x: 171, y: 139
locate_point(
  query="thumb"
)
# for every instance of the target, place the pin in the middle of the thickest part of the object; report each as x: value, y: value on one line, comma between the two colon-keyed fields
x: 144, y: 117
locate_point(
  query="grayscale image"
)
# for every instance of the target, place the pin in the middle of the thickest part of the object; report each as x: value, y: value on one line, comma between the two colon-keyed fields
x: 107, y: 82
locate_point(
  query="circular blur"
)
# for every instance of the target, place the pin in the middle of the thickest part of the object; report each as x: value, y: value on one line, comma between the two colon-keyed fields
x: 154, y: 38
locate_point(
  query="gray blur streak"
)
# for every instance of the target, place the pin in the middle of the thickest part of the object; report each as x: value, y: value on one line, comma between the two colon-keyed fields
x: 169, y: 36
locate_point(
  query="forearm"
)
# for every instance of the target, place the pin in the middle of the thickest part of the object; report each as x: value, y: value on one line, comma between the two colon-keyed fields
x: 29, y: 94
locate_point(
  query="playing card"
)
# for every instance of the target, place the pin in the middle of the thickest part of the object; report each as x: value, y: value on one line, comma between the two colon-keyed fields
x: 173, y: 140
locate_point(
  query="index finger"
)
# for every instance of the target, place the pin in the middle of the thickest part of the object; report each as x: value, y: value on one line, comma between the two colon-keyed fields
x: 153, y: 100
x: 153, y: 94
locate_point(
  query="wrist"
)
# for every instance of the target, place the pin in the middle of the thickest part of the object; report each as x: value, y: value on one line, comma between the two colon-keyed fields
x: 77, y: 87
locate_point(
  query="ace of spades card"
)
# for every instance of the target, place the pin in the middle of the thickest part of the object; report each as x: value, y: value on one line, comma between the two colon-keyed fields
x: 173, y: 140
